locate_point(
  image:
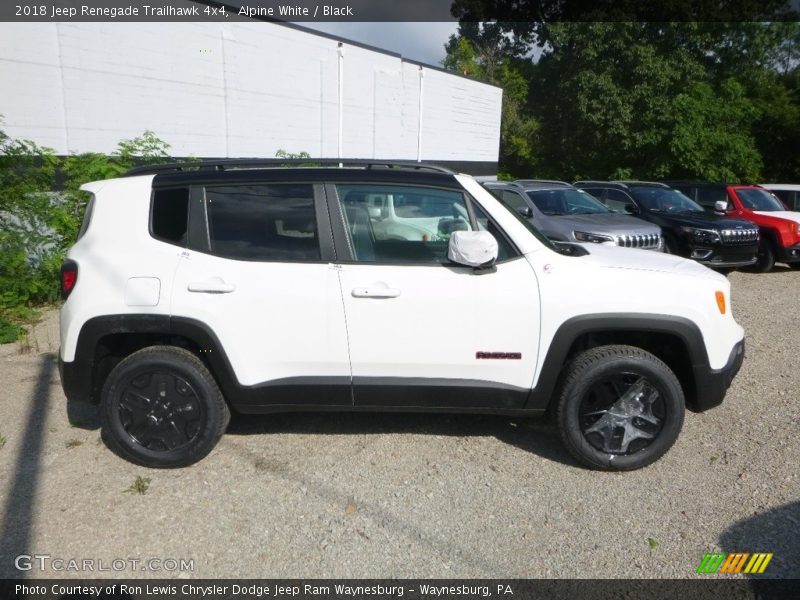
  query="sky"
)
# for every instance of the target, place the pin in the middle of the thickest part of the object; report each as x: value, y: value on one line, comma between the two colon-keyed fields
x: 422, y: 41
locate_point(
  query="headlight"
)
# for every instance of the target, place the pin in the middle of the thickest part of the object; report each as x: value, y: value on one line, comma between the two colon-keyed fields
x: 595, y: 238
x: 709, y: 236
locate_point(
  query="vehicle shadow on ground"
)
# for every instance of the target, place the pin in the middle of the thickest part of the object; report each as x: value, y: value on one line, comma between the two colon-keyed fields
x: 772, y: 531
x: 531, y: 434
x: 22, y: 487
x: 778, y: 269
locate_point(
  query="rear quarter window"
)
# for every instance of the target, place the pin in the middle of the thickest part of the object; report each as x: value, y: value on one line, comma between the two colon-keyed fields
x: 170, y: 215
x: 87, y: 217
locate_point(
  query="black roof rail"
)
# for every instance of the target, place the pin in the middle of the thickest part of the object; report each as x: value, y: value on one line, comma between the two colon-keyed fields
x: 276, y: 163
x: 548, y: 181
x: 637, y: 182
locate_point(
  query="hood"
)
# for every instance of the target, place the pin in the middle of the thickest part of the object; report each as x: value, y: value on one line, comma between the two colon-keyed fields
x: 611, y: 223
x: 614, y: 257
x: 780, y: 214
x: 706, y: 220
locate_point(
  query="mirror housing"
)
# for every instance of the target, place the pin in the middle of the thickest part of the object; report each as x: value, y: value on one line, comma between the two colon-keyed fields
x: 721, y: 206
x: 630, y: 209
x: 476, y: 249
x: 525, y: 211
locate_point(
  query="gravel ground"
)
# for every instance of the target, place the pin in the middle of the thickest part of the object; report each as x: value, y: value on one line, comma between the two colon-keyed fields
x: 306, y: 495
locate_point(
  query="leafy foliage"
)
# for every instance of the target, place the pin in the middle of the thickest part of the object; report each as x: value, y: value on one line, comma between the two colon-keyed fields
x: 709, y: 100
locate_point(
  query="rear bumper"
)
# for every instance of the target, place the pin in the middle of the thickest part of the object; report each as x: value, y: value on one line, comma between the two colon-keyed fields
x: 76, y: 380
x: 711, y: 385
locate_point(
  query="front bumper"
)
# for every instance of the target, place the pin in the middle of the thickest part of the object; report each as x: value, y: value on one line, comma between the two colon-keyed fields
x: 789, y: 254
x: 711, y: 385
x: 717, y: 257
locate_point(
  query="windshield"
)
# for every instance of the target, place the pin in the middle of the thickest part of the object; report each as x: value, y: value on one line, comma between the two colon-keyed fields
x: 566, y: 201
x: 527, y: 223
x: 756, y: 199
x: 665, y: 200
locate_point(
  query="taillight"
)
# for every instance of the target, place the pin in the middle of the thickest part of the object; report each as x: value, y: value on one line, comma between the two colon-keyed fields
x: 69, y: 277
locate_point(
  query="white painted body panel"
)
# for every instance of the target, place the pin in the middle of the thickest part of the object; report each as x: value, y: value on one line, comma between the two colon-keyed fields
x: 781, y: 186
x: 116, y: 248
x: 281, y: 319
x: 440, y: 319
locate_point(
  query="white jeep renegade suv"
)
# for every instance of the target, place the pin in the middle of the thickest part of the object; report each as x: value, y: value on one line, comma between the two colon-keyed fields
x: 254, y: 287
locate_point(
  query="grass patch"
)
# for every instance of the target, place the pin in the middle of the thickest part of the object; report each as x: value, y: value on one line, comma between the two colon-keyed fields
x: 139, y: 486
x: 2, y: 440
x: 9, y: 332
x: 73, y: 443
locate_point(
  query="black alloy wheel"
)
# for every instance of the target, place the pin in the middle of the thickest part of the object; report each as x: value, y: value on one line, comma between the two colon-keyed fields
x: 162, y: 408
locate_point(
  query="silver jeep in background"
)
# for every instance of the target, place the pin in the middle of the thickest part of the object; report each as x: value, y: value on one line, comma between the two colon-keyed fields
x: 566, y: 214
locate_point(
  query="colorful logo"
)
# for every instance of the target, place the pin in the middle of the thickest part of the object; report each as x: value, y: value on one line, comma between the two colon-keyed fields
x: 734, y: 562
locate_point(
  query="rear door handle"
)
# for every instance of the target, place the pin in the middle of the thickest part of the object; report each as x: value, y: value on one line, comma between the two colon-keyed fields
x: 214, y: 285
x: 375, y: 292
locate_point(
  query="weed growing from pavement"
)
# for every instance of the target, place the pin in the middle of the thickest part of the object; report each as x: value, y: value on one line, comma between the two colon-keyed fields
x: 652, y: 543
x: 139, y: 486
x: 73, y: 443
x: 2, y: 440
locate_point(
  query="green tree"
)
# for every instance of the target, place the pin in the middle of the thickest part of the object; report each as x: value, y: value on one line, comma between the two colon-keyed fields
x: 610, y: 97
x: 710, y: 138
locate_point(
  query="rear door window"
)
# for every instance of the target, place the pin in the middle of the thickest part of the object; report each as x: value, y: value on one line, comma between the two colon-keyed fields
x: 265, y: 222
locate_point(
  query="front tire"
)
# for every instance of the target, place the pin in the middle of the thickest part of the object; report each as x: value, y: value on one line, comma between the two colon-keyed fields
x: 766, y: 258
x: 619, y: 408
x: 161, y: 408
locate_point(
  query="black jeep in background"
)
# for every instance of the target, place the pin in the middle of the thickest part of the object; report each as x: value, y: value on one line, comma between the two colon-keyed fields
x: 714, y: 240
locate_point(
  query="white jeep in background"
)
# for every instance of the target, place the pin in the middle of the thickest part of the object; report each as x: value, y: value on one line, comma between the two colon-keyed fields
x: 256, y: 287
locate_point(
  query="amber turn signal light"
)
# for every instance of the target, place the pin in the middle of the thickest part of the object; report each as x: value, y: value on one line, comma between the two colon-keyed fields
x: 721, y: 302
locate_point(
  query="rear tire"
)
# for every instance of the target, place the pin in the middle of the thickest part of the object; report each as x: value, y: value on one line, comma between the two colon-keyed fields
x: 161, y: 408
x: 619, y: 408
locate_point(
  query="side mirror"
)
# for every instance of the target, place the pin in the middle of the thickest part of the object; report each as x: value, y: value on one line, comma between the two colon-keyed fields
x: 525, y: 211
x: 630, y: 209
x: 721, y: 206
x: 477, y: 249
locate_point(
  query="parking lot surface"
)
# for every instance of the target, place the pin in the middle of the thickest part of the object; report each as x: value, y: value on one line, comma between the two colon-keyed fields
x: 390, y: 495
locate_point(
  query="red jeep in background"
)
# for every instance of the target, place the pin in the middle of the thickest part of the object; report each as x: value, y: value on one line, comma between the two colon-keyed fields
x: 779, y: 228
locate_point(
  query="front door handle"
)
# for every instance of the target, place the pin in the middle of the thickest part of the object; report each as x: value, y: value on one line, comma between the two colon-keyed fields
x: 214, y: 285
x: 375, y: 292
